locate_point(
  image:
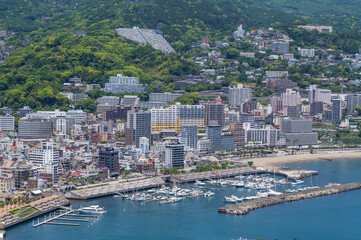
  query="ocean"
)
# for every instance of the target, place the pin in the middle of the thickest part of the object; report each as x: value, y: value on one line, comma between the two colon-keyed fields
x: 330, y: 217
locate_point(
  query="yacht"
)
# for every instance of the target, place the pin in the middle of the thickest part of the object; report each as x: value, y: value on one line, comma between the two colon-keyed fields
x: 297, y: 182
x: 93, y: 209
x: 209, y: 194
x: 199, y: 183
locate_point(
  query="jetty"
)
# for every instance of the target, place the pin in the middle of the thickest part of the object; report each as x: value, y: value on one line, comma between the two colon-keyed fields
x: 233, y: 172
x: 245, y: 207
x: 115, y: 188
x: 66, y: 217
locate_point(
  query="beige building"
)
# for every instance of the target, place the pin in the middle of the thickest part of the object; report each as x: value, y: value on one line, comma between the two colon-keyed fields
x: 6, y: 184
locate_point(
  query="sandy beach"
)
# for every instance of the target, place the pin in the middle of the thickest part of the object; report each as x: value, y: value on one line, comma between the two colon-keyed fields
x: 277, y: 161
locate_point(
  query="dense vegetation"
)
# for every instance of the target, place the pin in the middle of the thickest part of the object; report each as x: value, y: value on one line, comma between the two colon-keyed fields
x: 46, y: 53
x: 340, y: 14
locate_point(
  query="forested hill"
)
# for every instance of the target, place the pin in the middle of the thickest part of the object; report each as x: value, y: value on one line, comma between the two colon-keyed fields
x: 46, y: 54
x: 341, y: 14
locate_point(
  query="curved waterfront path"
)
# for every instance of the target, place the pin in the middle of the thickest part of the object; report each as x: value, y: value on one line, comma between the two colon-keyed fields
x: 245, y: 207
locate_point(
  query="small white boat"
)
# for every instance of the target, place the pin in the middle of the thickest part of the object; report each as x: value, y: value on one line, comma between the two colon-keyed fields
x: 93, y: 209
x: 229, y: 200
x: 209, y: 194
x: 297, y: 182
x: 199, y: 183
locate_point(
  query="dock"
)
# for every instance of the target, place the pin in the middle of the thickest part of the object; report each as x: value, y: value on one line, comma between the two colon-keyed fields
x: 245, y: 207
x: 115, y: 188
x: 39, y: 207
x: 64, y: 216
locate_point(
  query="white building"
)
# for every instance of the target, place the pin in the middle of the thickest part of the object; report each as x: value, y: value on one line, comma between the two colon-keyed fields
x: 121, y: 84
x: 239, y: 95
x: 110, y: 100
x: 46, y: 157
x: 239, y: 33
x: 319, y: 95
x: 7, y: 123
x: 291, y: 98
x: 307, y: 52
x: 144, y: 145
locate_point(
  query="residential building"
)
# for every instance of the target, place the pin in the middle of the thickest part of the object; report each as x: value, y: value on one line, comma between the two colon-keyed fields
x: 336, y: 110
x: 108, y: 157
x: 35, y: 129
x: 174, y: 156
x: 214, y: 111
x: 7, y: 123
x: 316, y: 108
x: 163, y: 97
x: 7, y: 184
x: 279, y: 47
x: 110, y: 100
x: 213, y: 133
x: 307, y: 52
x: 291, y: 98
x: 121, y: 84
x: 138, y: 125
x: 130, y: 100
x: 239, y: 95
x: 188, y: 136
x: 353, y: 100
x: 319, y: 95
x: 276, y: 104
x: 276, y: 74
x: 24, y: 111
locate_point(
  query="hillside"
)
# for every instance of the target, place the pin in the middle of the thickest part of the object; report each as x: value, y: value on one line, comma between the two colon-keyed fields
x: 46, y: 53
x: 343, y: 15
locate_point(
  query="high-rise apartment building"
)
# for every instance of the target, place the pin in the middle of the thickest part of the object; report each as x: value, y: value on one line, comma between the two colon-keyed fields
x: 239, y: 95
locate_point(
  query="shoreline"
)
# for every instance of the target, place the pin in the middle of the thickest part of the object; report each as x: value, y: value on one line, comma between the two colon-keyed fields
x: 277, y: 161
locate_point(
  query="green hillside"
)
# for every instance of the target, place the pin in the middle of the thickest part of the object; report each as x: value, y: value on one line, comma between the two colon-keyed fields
x: 46, y: 53
x: 343, y: 15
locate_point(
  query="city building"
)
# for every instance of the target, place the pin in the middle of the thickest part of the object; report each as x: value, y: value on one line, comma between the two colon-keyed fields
x: 319, y: 95
x: 7, y: 123
x: 276, y: 104
x: 239, y: 33
x: 321, y: 29
x: 276, y: 74
x: 47, y: 157
x: 130, y: 100
x: 213, y: 133
x: 174, y: 156
x: 188, y: 136
x: 316, y: 108
x: 239, y: 95
x: 307, y: 52
x: 279, y: 47
x: 35, y: 129
x: 121, y: 84
x: 144, y: 145
x: 108, y: 157
x: 138, y: 125
x: 336, y: 110
x: 24, y: 111
x: 163, y: 97
x: 214, y: 111
x: 298, y: 132
x: 110, y: 100
x: 291, y: 98
x: 7, y: 184
x: 280, y: 84
x: 353, y: 100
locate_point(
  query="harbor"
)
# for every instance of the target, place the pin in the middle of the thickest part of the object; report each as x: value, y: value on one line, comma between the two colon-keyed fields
x: 31, y: 210
x: 245, y: 207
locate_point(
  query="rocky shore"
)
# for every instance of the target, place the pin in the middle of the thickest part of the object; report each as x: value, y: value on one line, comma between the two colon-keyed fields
x: 245, y: 207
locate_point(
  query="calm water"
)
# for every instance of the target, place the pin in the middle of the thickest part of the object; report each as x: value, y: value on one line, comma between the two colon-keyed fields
x: 332, y: 217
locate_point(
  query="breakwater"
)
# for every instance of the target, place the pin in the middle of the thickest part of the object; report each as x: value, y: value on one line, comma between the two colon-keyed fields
x: 245, y: 207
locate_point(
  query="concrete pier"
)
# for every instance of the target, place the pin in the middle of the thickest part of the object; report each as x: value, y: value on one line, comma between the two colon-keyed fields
x: 245, y: 207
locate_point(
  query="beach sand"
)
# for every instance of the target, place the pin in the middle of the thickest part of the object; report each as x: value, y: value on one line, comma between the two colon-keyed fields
x: 277, y: 161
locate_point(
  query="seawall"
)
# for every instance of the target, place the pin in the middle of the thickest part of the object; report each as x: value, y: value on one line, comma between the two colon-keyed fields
x: 245, y: 207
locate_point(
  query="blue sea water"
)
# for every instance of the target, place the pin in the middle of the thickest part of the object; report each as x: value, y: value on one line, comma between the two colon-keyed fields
x: 331, y: 217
